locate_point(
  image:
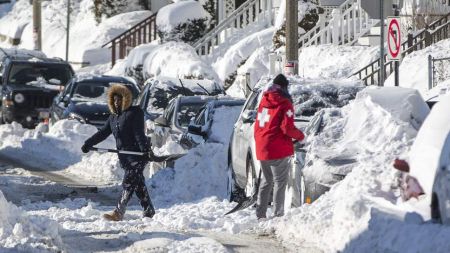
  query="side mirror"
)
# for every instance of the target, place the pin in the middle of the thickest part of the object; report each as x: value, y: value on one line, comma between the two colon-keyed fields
x: 249, y: 116
x: 161, y: 121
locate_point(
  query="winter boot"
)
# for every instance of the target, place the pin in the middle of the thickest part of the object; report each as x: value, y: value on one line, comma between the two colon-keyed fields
x: 149, y: 212
x: 114, y: 216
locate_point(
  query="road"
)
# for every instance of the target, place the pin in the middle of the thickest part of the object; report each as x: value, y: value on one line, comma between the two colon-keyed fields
x: 20, y: 182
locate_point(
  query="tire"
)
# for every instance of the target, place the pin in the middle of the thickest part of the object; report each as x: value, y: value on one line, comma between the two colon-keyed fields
x: 435, y: 211
x: 250, y: 186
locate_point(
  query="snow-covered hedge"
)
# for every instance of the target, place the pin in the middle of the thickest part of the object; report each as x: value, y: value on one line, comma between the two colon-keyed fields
x: 185, y: 21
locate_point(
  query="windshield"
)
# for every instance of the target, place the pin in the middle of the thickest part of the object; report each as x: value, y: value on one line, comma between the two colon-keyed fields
x: 32, y: 73
x: 95, y: 92
x: 188, y: 112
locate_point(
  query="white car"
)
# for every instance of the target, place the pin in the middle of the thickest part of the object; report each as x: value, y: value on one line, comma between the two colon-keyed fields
x: 428, y: 171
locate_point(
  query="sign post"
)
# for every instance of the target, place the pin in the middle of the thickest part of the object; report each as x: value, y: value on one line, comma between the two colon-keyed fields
x: 394, y: 43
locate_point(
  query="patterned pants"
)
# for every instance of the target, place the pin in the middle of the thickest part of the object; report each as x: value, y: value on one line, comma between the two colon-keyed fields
x: 134, y: 182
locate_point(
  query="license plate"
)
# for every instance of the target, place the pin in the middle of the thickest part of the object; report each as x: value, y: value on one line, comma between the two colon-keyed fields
x: 44, y: 115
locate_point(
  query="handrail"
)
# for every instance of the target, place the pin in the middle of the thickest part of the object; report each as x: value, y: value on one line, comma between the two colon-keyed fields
x: 133, y: 27
x: 418, y: 41
x: 143, y: 32
x: 254, y: 8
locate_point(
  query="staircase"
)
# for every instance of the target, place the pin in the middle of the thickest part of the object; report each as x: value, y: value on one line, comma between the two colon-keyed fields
x: 249, y: 13
x: 342, y: 27
x: 141, y: 33
x: 435, y: 32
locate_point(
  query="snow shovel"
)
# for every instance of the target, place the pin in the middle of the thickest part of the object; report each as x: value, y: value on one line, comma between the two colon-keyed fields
x: 248, y: 201
x: 153, y: 158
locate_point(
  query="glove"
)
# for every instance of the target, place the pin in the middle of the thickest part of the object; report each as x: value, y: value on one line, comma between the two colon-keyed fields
x: 85, y: 148
x: 152, y: 158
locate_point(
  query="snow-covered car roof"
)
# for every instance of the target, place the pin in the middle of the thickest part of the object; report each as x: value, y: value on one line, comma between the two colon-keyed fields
x: 432, y: 145
x: 309, y: 96
x: 21, y: 53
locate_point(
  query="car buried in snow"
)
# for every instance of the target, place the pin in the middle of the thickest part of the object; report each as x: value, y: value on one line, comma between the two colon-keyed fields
x: 427, y: 172
x: 85, y: 99
x: 309, y: 98
x: 200, y: 130
x: 29, y: 82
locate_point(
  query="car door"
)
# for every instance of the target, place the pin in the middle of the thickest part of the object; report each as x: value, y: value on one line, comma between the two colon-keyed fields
x: 243, y: 138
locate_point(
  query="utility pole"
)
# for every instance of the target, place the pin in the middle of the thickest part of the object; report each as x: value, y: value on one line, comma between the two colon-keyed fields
x: 292, y: 33
x: 37, y: 25
x: 67, y: 30
x: 381, y: 81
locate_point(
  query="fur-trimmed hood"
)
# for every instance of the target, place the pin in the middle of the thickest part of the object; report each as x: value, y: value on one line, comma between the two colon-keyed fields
x: 124, y: 92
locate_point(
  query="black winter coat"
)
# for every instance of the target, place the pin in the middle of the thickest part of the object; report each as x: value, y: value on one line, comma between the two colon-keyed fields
x: 128, y: 130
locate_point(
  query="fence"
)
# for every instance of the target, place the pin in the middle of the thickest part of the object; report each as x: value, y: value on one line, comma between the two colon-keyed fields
x: 438, y: 71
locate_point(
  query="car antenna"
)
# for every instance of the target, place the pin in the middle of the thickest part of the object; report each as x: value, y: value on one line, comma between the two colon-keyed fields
x: 184, y: 89
x: 209, y: 94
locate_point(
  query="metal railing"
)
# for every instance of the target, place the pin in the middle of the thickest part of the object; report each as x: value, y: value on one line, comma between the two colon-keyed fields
x: 248, y: 13
x: 343, y: 27
x: 435, y: 32
x: 438, y: 70
x: 141, y: 33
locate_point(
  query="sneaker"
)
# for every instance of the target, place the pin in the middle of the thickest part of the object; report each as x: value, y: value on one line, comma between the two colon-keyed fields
x: 114, y: 216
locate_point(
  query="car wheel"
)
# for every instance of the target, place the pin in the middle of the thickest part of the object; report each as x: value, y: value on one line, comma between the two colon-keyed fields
x: 250, y: 186
x: 435, y: 211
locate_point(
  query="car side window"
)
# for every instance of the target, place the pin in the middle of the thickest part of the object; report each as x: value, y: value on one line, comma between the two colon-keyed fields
x: 252, y: 101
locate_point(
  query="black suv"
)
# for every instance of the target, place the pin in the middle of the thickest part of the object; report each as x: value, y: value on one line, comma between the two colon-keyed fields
x: 28, y: 86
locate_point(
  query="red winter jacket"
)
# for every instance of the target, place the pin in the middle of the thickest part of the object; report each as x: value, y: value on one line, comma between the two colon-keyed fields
x: 274, y: 127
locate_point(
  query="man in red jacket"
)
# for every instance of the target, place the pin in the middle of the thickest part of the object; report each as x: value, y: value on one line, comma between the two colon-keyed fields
x: 274, y: 130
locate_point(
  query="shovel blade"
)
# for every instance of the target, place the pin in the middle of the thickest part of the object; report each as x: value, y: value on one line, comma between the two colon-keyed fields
x: 245, y: 203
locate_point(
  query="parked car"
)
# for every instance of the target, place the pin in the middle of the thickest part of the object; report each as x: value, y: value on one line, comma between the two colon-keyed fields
x: 428, y: 170
x: 201, y: 129
x: 159, y: 91
x: 28, y: 85
x: 85, y: 99
x: 308, y: 98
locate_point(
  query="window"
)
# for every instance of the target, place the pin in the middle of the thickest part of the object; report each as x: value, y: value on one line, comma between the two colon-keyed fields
x: 187, y: 112
x: 25, y: 73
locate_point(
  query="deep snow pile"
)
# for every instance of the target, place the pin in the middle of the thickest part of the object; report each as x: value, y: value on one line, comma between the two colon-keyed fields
x: 86, y: 36
x: 60, y: 149
x: 20, y: 232
x: 359, y: 212
x: 203, y: 171
x: 173, y: 59
x: 330, y: 61
x: 414, y: 68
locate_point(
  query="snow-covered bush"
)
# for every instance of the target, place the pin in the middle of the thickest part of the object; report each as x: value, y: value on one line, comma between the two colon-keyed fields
x: 185, y: 21
x: 109, y: 8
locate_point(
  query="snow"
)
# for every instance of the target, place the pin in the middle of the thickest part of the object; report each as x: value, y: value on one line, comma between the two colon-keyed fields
x: 172, y: 59
x: 174, y: 14
x: 86, y: 36
x: 414, y: 68
x: 26, y: 233
x: 330, y: 61
x: 426, y: 155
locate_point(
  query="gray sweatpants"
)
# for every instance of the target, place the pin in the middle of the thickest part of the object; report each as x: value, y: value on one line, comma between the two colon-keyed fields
x: 276, y: 174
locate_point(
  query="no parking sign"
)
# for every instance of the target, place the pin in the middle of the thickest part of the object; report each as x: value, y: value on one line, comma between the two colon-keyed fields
x: 394, y: 39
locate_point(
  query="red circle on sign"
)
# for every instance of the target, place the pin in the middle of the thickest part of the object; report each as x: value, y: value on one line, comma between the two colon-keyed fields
x: 396, y: 40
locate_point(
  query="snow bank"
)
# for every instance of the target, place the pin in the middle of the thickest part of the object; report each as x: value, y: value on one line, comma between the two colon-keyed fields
x: 174, y: 14
x: 203, y: 171
x: 414, y: 68
x: 337, y: 219
x: 330, y: 61
x: 429, y: 151
x: 24, y: 233
x: 60, y: 149
x: 173, y: 59
x: 240, y: 51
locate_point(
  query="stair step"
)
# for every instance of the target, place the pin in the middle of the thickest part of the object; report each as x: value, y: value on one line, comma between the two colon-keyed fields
x: 369, y: 40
